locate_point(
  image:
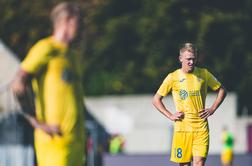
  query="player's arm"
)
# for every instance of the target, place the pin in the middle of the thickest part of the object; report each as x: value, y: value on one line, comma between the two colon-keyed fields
x: 221, y: 94
x: 158, y: 103
x: 220, y: 98
x: 20, y: 87
x: 20, y: 83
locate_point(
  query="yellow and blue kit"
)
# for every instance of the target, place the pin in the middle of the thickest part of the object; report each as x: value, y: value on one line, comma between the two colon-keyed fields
x: 189, y: 90
x: 59, y: 101
x: 227, y: 149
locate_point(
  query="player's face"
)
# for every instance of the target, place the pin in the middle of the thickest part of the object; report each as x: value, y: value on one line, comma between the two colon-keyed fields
x: 188, y: 61
x: 72, y: 28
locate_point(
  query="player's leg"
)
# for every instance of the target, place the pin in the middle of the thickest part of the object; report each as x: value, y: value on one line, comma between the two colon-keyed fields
x: 200, y: 148
x: 181, y: 151
x: 226, y: 157
x: 199, y: 161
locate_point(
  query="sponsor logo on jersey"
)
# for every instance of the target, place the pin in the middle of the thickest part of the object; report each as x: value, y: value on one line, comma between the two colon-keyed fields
x: 184, y: 94
x: 194, y: 93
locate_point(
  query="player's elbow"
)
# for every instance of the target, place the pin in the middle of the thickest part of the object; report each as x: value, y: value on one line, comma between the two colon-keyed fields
x: 223, y: 91
x: 156, y: 100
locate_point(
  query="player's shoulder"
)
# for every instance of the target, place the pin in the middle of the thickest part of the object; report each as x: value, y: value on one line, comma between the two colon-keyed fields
x: 46, y: 40
x: 202, y: 71
x: 175, y: 73
x: 172, y: 73
x: 45, y: 43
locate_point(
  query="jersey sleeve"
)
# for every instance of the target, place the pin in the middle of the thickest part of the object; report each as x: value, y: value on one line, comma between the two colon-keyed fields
x: 37, y: 57
x: 166, y: 86
x: 212, y: 82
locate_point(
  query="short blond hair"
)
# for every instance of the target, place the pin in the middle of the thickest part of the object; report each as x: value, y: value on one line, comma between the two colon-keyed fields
x: 188, y: 47
x: 64, y: 10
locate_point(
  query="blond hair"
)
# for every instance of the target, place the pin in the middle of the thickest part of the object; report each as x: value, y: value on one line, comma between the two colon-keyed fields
x: 64, y: 10
x: 188, y: 47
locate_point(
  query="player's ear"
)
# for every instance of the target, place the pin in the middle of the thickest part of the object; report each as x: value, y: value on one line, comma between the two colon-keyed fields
x: 180, y: 58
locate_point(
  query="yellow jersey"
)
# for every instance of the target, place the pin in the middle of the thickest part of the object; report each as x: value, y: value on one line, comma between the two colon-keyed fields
x: 189, y: 92
x: 57, y: 87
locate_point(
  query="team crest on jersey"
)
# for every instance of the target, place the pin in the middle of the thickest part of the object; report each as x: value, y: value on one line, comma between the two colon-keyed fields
x: 183, y: 94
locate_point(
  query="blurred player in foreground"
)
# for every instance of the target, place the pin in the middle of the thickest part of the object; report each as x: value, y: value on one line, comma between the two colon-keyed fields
x: 59, y: 125
x: 189, y: 86
x: 227, y: 149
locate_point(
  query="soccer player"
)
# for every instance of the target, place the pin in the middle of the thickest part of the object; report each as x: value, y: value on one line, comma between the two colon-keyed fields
x: 227, y: 149
x: 189, y: 86
x: 59, y: 122
x: 116, y: 145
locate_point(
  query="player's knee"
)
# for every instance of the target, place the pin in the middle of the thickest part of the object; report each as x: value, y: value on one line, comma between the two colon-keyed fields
x: 198, y: 161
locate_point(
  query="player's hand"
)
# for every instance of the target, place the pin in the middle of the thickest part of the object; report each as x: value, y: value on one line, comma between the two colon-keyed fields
x: 50, y: 130
x: 177, y: 116
x: 205, y: 113
x: 32, y: 120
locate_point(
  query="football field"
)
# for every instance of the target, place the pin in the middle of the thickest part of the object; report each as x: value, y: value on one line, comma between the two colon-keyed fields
x: 163, y: 160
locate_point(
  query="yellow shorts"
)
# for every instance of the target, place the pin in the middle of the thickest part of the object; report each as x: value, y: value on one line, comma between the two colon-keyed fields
x: 226, y: 156
x: 185, y: 145
x: 56, y: 153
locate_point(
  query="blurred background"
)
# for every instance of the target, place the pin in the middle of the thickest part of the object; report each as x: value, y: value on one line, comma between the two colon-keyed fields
x: 127, y: 49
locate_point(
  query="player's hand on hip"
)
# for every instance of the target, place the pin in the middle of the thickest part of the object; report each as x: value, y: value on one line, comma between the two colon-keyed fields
x: 50, y: 129
x: 177, y: 116
x: 205, y: 113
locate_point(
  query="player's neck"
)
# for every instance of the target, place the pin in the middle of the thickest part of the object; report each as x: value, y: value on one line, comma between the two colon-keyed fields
x: 60, y: 36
